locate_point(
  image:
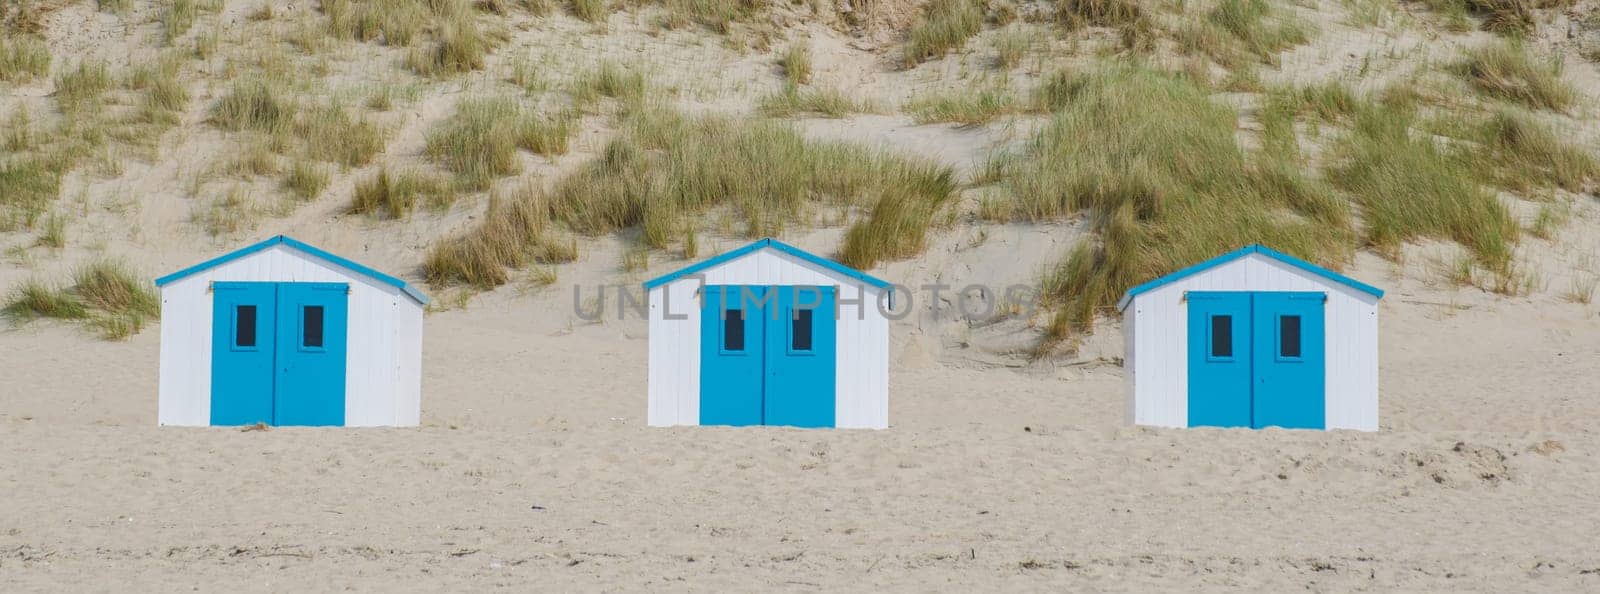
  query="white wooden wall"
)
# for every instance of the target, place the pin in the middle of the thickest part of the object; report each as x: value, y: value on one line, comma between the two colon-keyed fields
x: 862, y: 382
x: 383, y: 372
x: 1157, y: 328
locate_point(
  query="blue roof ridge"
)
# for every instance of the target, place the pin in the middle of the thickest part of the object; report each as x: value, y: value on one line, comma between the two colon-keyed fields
x: 1254, y: 248
x: 303, y: 247
x: 768, y: 242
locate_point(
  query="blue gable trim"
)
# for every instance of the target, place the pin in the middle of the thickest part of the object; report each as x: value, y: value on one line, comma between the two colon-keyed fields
x: 1240, y: 253
x: 301, y: 246
x: 777, y: 245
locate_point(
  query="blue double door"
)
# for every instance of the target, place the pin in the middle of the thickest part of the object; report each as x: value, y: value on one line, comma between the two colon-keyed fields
x: 768, y: 355
x: 1257, y: 359
x: 278, y: 353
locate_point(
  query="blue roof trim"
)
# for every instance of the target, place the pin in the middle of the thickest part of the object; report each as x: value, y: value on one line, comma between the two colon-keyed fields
x: 777, y: 245
x: 304, y: 247
x: 1240, y: 253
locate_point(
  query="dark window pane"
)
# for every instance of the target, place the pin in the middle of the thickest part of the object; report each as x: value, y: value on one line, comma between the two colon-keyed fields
x: 800, y: 334
x: 733, y: 330
x: 244, y: 326
x: 312, y: 325
x: 1222, y: 336
x: 1289, y: 336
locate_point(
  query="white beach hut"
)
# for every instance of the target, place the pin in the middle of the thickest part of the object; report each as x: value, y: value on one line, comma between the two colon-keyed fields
x: 283, y: 333
x: 1252, y: 338
x: 769, y: 334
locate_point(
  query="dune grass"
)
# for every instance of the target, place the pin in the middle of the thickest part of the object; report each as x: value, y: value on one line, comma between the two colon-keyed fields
x: 1236, y: 33
x: 972, y: 107
x: 253, y: 104
x: 79, y: 87
x: 1507, y: 71
x: 943, y: 27
x: 332, y: 133
x: 1010, y: 44
x: 462, y: 45
x: 106, y: 295
x: 592, y: 11
x: 515, y: 231
x: 177, y: 17
x: 796, y: 63
x: 1410, y: 187
x: 793, y: 100
x: 1517, y: 152
x: 395, y: 22
x: 395, y: 195
x: 608, y: 80
x: 1506, y: 17
x: 306, y: 180
x: 666, y: 169
x: 1156, y: 165
x: 716, y: 15
x: 1099, y: 13
x: 27, y: 186
x: 164, y: 95
x: 479, y: 142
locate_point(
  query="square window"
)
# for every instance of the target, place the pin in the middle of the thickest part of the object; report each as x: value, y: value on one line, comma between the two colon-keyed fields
x: 244, y: 326
x: 800, y: 330
x: 1289, y: 336
x: 311, y: 326
x: 1222, y: 336
x: 733, y: 330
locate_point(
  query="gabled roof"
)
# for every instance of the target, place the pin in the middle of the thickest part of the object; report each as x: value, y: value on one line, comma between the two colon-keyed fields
x: 303, y: 247
x: 1240, y: 253
x: 777, y: 245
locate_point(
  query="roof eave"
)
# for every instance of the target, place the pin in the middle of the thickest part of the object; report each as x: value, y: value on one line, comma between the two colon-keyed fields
x: 303, y: 247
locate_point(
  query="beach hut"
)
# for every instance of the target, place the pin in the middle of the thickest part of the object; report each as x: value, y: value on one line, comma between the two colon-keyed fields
x: 283, y: 333
x: 1252, y: 338
x: 769, y: 334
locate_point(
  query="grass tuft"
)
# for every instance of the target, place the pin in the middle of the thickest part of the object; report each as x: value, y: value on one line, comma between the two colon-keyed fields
x: 608, y: 80
x: 968, y: 108
x: 82, y: 86
x: 306, y: 180
x: 1010, y: 45
x: 1410, y: 187
x: 106, y: 295
x: 479, y: 141
x: 592, y: 11
x: 796, y: 63
x: 515, y: 232
x: 253, y: 104
x: 826, y: 102
x: 395, y: 195
x: 1519, y: 153
x: 943, y: 27
x: 1506, y: 70
x: 178, y: 17
x: 463, y: 46
x: 1236, y: 33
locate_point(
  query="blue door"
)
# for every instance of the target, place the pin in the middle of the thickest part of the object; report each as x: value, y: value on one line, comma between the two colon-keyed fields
x: 278, y: 353
x: 311, y: 353
x: 1219, y: 359
x: 732, y: 339
x: 1256, y: 359
x: 800, y: 357
x: 1289, y: 360
x: 243, y: 318
x: 768, y: 355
